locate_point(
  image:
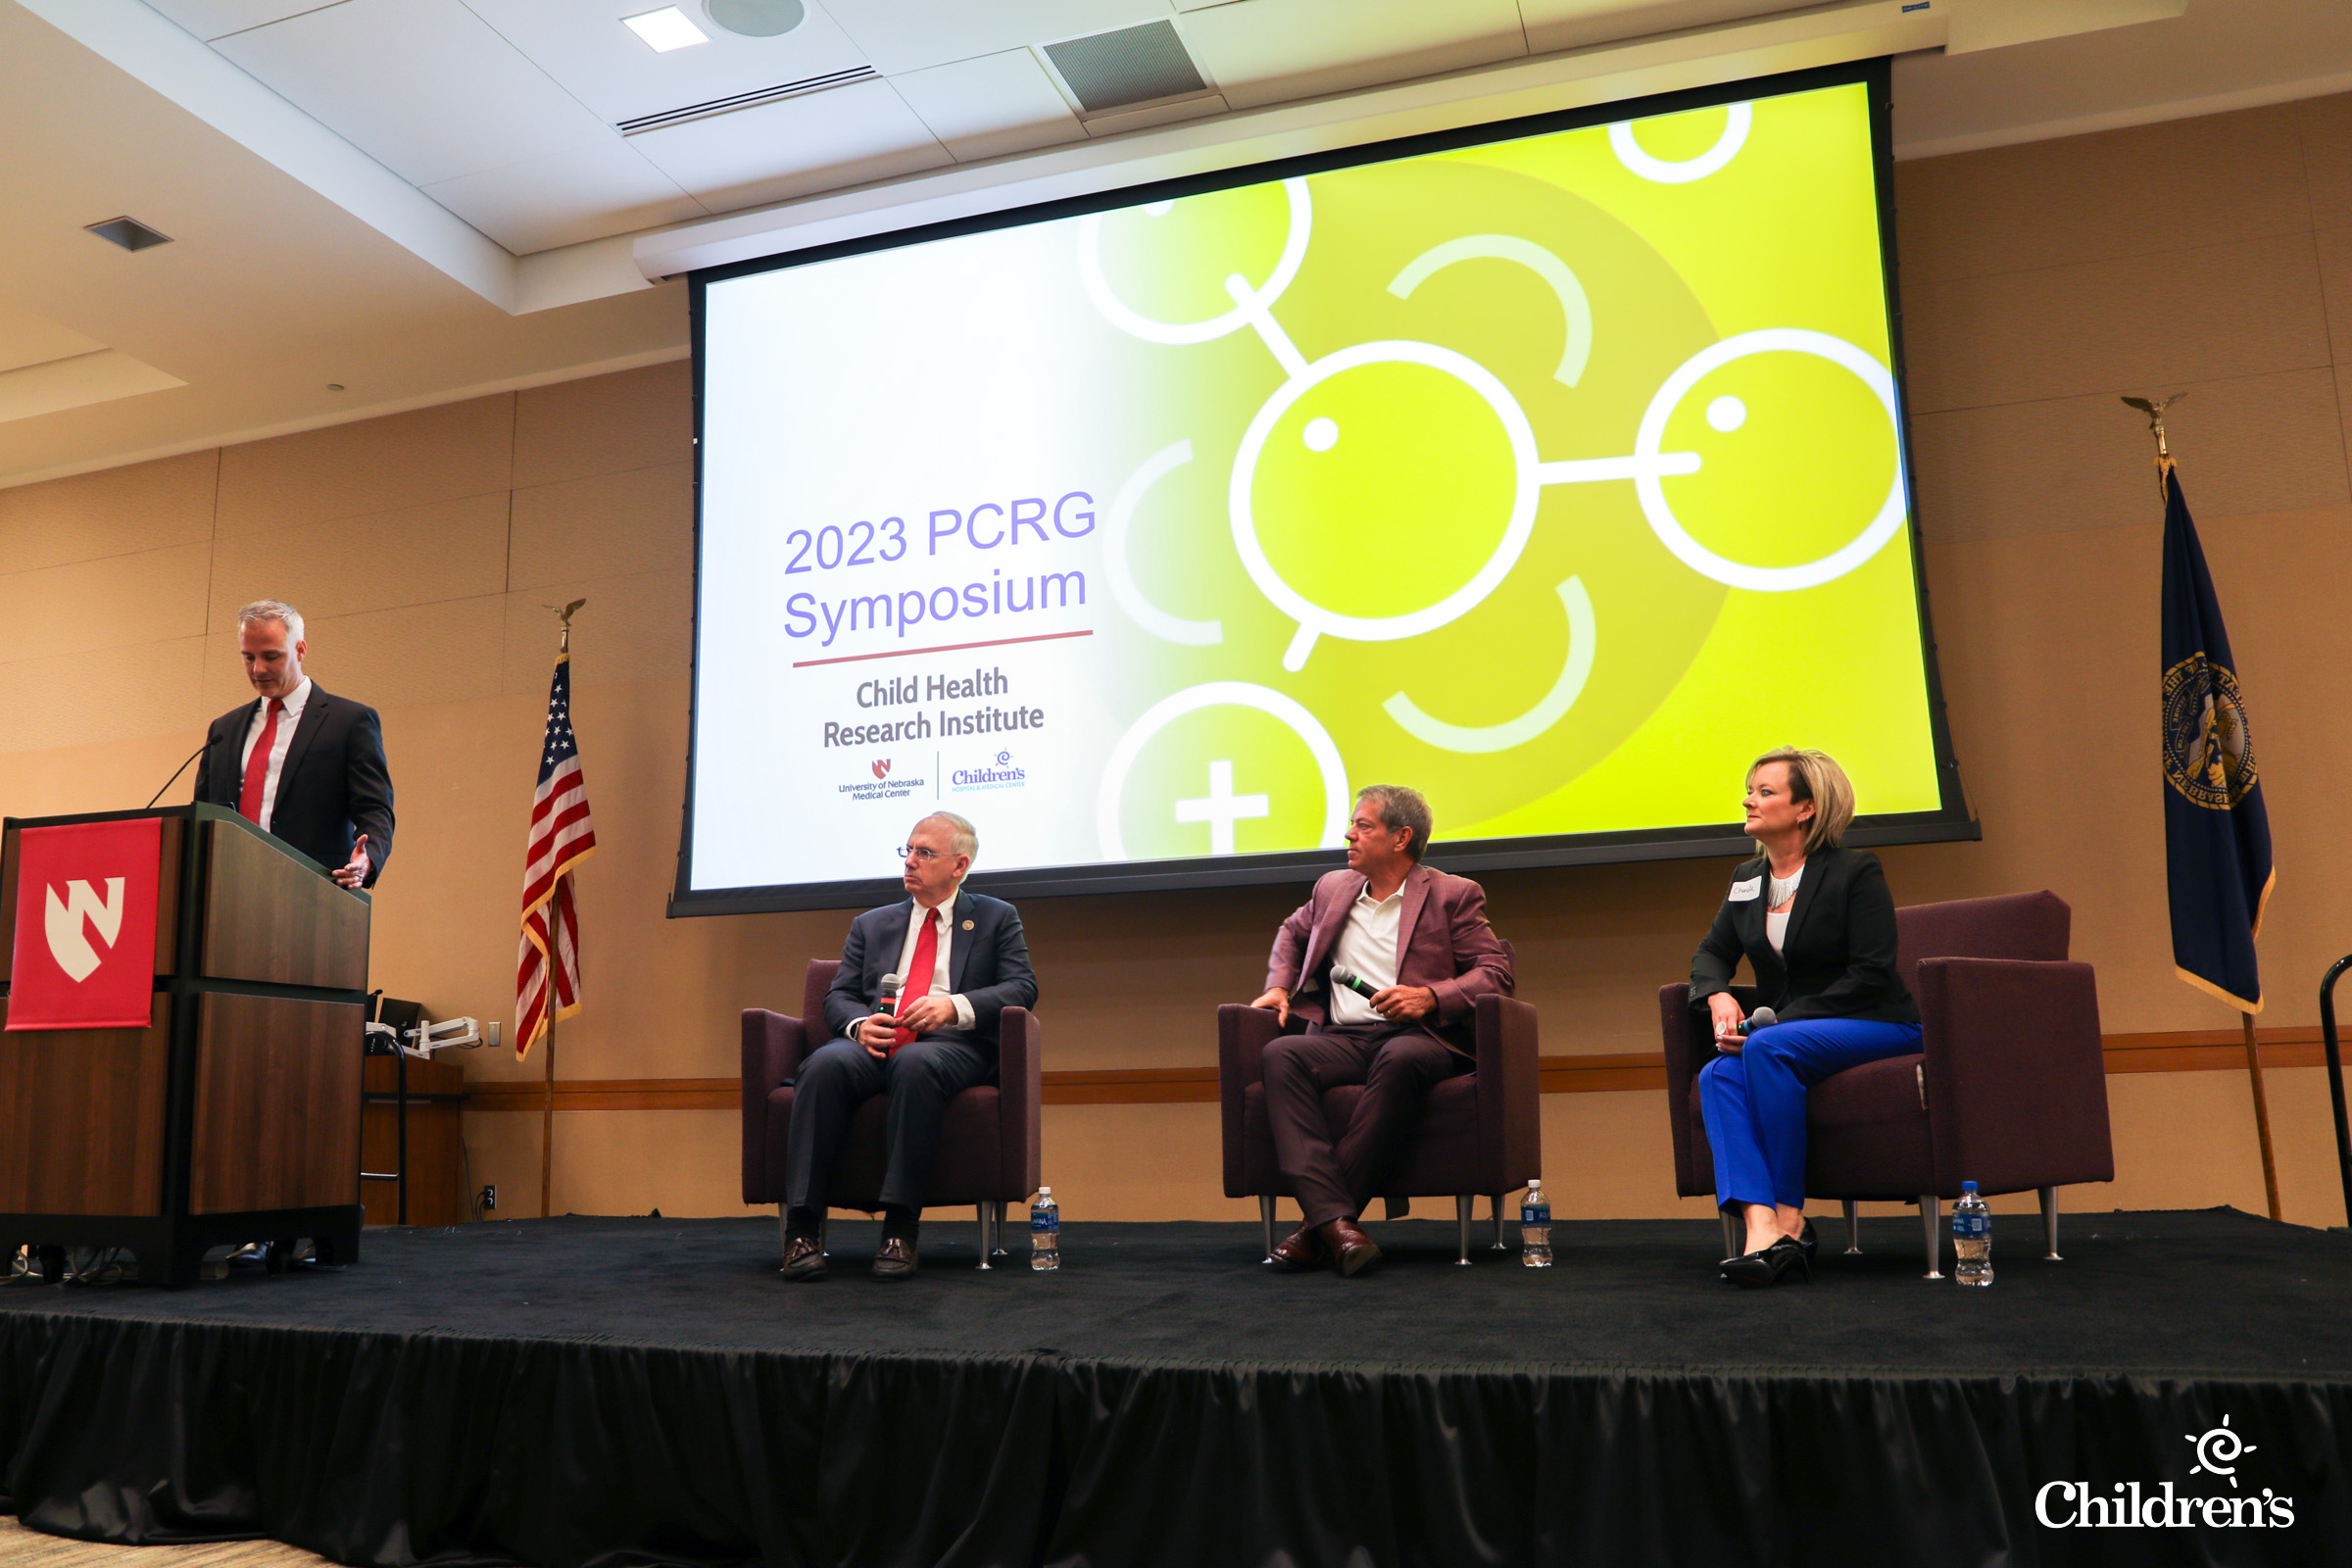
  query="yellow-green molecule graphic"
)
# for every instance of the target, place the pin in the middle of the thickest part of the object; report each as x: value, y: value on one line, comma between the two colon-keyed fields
x: 1487, y: 457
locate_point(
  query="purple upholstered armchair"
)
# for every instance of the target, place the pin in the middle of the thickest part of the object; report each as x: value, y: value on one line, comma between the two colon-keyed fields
x: 2008, y: 1089
x: 1480, y: 1132
x: 988, y: 1145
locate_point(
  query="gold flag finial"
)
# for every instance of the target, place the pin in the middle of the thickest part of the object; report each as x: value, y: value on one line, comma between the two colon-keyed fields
x: 564, y: 615
x: 2154, y: 408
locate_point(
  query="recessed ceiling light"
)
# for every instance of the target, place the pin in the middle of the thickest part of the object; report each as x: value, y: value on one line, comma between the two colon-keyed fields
x: 665, y: 29
x: 129, y: 233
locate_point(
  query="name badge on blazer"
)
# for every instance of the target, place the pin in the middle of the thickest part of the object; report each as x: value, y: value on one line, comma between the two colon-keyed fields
x: 1742, y: 892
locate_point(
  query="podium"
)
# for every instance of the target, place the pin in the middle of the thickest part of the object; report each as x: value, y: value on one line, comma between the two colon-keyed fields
x: 234, y: 1115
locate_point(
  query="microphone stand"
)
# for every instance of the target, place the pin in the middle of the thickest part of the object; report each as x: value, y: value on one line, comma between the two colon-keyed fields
x: 174, y: 779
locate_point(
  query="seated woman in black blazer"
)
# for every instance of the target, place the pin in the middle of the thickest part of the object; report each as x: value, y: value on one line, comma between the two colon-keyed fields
x: 1815, y: 925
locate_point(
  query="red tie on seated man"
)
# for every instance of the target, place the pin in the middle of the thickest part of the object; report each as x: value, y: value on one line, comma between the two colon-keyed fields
x: 918, y: 977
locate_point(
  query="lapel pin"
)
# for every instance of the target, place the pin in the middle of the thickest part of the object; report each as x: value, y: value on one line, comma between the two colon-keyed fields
x: 967, y: 925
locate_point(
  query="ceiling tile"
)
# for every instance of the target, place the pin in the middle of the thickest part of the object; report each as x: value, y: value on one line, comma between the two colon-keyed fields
x: 1126, y: 120
x: 424, y: 87
x: 900, y: 35
x: 1274, y: 50
x: 986, y: 108
x: 26, y: 338
x: 1554, y: 24
x: 585, y: 48
x: 211, y: 19
x: 817, y: 141
x: 567, y: 197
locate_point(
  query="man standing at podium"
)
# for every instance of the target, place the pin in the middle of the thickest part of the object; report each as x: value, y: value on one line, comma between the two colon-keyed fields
x: 300, y: 762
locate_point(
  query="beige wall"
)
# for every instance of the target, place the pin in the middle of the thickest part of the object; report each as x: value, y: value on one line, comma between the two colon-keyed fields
x: 2213, y: 255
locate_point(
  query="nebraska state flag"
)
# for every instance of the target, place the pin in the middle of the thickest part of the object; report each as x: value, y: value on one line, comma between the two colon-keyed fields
x: 84, y: 955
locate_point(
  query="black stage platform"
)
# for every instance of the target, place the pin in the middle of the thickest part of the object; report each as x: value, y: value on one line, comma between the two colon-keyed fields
x: 606, y: 1393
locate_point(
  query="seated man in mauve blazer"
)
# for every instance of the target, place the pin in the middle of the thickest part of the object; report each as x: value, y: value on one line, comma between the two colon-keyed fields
x: 961, y: 960
x: 299, y: 763
x: 1418, y: 942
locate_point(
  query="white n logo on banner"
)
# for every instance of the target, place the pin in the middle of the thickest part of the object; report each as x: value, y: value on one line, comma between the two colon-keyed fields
x: 64, y: 920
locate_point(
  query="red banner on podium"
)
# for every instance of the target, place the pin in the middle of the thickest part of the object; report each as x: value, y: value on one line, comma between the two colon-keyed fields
x: 84, y: 957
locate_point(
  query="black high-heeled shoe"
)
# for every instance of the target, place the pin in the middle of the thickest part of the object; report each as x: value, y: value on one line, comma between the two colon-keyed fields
x: 1808, y: 1240
x: 1753, y: 1269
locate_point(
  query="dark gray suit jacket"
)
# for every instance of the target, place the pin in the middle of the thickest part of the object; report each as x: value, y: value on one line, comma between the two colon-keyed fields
x: 988, y: 965
x: 333, y: 787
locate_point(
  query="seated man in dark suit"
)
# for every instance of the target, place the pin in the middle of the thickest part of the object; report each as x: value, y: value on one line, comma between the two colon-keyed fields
x: 299, y: 763
x: 961, y: 960
x: 1417, y: 940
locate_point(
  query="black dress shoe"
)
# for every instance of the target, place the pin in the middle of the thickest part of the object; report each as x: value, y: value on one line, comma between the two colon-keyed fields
x: 1755, y: 1269
x: 1301, y: 1249
x: 895, y: 1259
x: 1810, y: 1243
x: 1350, y: 1248
x: 804, y: 1260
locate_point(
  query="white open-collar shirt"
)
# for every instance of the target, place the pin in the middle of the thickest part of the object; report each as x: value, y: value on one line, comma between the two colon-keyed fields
x: 943, y: 918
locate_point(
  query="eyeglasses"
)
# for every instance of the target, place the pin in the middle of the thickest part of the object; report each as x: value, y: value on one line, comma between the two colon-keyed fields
x: 919, y: 851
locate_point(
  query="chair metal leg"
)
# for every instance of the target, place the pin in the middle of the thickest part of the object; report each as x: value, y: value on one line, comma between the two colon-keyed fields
x: 1735, y: 1233
x: 1462, y: 1205
x: 783, y: 1236
x: 1931, y: 1225
x: 1265, y: 1222
x: 1000, y: 1250
x: 1853, y: 1229
x: 2049, y: 1225
x: 987, y: 1213
x: 1494, y: 1203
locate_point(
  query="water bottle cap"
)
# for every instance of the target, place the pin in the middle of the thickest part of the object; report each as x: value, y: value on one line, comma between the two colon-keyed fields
x: 1968, y: 1187
x: 1048, y: 1191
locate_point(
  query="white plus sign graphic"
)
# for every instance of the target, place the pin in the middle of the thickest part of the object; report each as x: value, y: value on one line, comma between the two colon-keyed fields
x: 1220, y: 808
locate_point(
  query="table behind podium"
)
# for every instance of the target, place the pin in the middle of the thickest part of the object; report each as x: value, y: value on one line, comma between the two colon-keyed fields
x: 234, y: 1115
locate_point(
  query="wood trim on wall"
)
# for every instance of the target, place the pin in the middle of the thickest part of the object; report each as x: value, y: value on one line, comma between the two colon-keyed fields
x: 2181, y: 1050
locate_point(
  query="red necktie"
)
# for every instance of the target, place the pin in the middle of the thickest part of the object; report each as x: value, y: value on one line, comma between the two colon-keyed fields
x: 919, y: 975
x: 257, y: 767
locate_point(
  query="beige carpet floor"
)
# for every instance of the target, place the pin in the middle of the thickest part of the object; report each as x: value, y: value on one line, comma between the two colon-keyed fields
x: 21, y: 1547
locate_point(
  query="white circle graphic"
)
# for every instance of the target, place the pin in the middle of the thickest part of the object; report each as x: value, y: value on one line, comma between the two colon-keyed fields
x: 1285, y: 709
x: 1312, y: 616
x: 1115, y: 310
x: 1727, y: 413
x: 1737, y: 119
x: 1320, y: 435
x: 1737, y: 574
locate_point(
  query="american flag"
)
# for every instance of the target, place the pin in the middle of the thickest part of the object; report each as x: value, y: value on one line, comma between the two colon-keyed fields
x: 561, y: 837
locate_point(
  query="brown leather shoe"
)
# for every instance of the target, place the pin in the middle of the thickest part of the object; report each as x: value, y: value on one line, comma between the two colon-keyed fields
x: 895, y: 1259
x: 1301, y: 1249
x: 1349, y: 1247
x: 804, y: 1260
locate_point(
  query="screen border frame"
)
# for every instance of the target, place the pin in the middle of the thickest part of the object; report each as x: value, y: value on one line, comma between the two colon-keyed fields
x: 1952, y: 820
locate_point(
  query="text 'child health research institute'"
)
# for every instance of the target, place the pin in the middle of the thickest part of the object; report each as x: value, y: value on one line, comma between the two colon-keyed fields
x: 893, y: 691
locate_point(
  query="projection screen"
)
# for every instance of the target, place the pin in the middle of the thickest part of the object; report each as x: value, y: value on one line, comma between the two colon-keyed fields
x: 1557, y: 468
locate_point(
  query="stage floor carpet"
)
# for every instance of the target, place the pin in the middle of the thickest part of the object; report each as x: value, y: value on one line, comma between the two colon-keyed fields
x: 607, y: 1392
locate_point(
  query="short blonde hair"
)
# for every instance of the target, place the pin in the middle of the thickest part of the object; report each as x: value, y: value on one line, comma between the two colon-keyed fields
x: 968, y: 838
x: 1815, y: 776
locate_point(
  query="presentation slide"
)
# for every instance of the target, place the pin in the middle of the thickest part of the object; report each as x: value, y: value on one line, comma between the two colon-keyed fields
x: 1556, y: 476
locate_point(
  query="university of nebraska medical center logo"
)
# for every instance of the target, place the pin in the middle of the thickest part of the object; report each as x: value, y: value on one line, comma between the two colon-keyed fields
x: 85, y: 952
x: 881, y: 767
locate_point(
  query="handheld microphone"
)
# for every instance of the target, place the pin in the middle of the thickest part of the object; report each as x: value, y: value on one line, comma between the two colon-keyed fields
x: 1341, y: 975
x: 1761, y: 1018
x: 890, y: 995
x: 174, y: 778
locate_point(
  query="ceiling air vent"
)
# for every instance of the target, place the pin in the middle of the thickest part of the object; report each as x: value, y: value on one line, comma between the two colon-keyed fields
x: 745, y: 100
x: 1132, y: 65
x: 128, y: 232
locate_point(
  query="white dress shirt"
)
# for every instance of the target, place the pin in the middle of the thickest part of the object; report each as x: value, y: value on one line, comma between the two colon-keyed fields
x: 1367, y: 945
x: 944, y: 917
x: 287, y: 719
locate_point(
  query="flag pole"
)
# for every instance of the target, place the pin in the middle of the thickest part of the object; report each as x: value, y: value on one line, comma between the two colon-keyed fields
x: 2262, y: 1114
x: 547, y: 1110
x: 2154, y: 408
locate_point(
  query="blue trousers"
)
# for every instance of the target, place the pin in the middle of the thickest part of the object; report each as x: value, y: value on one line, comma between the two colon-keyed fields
x: 1754, y: 1103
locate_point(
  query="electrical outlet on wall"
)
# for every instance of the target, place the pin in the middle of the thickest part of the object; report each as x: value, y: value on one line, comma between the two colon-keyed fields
x: 490, y: 1031
x: 489, y: 1198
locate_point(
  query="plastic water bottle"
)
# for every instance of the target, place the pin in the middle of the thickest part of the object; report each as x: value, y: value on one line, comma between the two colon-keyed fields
x: 1972, y: 1237
x: 1045, y: 1231
x: 1534, y: 1227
